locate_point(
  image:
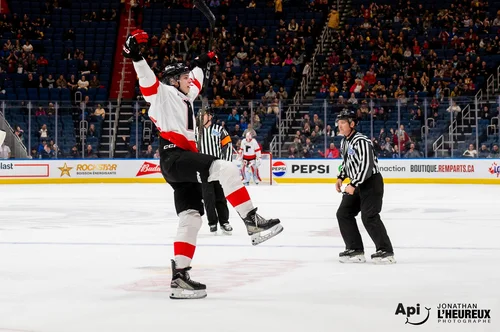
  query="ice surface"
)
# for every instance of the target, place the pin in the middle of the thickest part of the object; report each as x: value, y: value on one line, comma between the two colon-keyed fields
x: 96, y: 258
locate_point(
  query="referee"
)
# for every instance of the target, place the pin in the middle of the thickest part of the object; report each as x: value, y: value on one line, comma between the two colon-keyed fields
x: 215, y: 141
x: 364, y: 193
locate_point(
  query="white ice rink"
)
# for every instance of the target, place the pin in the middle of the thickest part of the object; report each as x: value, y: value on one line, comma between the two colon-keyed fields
x: 95, y: 258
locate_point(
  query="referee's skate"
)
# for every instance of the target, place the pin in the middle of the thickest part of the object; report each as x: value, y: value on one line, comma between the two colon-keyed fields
x: 352, y: 256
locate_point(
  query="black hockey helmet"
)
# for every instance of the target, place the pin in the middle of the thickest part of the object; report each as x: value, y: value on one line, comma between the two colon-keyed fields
x: 208, y: 110
x: 205, y: 110
x: 172, y: 72
x: 347, y: 114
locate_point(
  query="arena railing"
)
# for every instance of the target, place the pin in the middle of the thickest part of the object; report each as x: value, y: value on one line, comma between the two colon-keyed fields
x: 459, y: 122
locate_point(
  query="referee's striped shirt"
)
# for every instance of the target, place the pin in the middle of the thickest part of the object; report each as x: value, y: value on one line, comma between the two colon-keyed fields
x: 216, y: 142
x: 359, y: 159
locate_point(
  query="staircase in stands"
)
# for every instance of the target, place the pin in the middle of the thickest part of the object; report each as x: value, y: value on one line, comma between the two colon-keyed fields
x: 308, y: 88
x: 124, y: 129
x: 124, y: 77
x: 4, y: 7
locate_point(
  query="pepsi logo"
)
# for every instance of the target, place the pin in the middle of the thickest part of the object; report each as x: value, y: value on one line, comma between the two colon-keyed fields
x: 279, y: 168
x: 494, y: 169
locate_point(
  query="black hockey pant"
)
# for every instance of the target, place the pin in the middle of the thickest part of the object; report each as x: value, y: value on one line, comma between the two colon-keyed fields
x: 185, y: 171
x: 367, y: 198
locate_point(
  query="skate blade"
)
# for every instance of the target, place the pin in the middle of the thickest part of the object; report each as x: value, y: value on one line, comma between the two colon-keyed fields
x: 187, y: 294
x: 263, y: 236
x: 228, y: 233
x: 355, y: 259
x: 384, y: 261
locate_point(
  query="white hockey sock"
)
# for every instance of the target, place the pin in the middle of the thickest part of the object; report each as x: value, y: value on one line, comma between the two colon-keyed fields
x: 185, y: 241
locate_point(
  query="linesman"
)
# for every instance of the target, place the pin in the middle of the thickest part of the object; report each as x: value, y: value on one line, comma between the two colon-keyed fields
x: 364, y: 193
x: 214, y: 140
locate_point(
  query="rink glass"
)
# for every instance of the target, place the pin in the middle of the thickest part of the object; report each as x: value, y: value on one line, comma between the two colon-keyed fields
x: 439, y: 127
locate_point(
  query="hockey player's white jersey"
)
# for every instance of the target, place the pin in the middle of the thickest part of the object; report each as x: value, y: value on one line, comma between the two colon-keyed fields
x: 171, y: 111
x: 250, y: 149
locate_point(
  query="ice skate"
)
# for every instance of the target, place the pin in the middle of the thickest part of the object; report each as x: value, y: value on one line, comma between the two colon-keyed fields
x: 352, y: 256
x: 261, y: 229
x: 182, y: 287
x: 226, y: 228
x: 213, y: 229
x: 383, y: 257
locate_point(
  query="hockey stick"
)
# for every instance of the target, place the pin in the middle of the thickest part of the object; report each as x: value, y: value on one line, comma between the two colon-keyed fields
x: 203, y: 8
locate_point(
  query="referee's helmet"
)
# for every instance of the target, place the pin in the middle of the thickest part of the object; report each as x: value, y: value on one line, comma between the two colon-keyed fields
x: 205, y: 110
x: 349, y: 115
x: 208, y: 110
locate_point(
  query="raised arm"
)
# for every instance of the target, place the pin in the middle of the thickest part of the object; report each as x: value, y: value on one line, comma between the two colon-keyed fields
x: 199, y: 65
x: 148, y: 82
x: 197, y: 77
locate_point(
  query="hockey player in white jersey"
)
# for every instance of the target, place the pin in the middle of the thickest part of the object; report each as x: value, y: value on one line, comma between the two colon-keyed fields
x: 250, y: 153
x: 183, y: 167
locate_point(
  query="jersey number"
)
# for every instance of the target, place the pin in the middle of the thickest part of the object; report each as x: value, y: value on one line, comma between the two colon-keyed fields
x: 247, y: 147
x: 190, y: 122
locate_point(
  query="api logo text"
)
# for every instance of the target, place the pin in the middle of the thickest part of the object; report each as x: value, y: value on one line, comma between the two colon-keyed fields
x: 413, y: 315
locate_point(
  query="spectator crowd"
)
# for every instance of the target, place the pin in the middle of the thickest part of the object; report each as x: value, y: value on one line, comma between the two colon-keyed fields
x: 396, y: 54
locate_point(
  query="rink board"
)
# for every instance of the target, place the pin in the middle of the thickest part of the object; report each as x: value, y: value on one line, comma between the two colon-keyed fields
x: 280, y: 171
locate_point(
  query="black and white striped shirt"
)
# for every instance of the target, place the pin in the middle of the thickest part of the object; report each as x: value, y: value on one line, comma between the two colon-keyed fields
x: 359, y: 159
x: 216, y: 142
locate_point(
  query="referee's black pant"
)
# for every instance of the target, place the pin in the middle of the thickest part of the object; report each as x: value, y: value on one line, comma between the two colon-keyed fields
x: 215, y: 203
x: 367, y: 198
